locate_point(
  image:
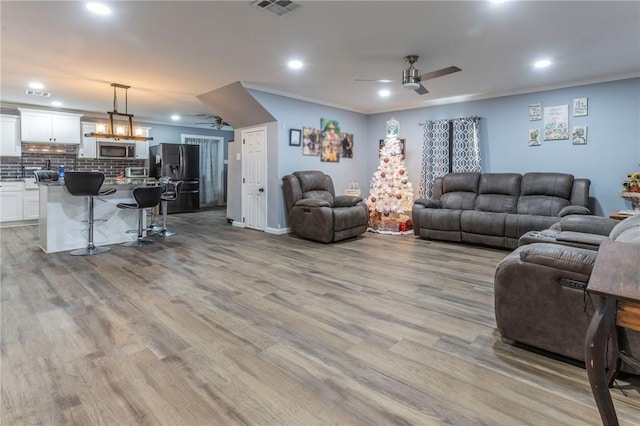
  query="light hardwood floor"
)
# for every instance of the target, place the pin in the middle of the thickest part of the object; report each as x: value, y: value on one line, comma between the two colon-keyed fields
x: 221, y: 326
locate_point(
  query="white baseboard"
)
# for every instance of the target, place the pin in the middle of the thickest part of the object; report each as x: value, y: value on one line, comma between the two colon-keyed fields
x: 238, y: 224
x: 278, y: 231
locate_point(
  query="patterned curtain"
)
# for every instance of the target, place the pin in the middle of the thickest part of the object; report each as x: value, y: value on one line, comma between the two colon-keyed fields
x: 466, y: 145
x: 440, y: 158
x: 435, y: 154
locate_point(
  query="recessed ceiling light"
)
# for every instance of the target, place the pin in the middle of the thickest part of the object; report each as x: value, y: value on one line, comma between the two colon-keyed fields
x: 384, y: 93
x: 295, y: 64
x: 56, y: 103
x: 98, y: 8
x: 543, y: 63
x: 175, y: 117
x: 36, y: 85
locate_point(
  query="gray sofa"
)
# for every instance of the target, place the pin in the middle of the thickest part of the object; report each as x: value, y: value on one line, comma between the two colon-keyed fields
x: 316, y: 213
x: 540, y: 297
x: 496, y: 209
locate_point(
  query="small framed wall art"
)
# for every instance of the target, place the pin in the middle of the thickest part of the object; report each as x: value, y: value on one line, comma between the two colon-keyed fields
x: 580, y: 107
x: 295, y: 137
x: 534, y: 137
x: 579, y: 136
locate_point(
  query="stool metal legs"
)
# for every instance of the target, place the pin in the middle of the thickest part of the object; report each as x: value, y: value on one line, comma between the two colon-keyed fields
x: 164, y: 232
x: 140, y: 241
x: 91, y: 248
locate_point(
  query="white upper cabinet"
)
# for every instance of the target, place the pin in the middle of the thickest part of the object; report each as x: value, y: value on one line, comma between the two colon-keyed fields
x: 9, y: 139
x: 88, y: 146
x: 49, y: 127
x: 142, y: 147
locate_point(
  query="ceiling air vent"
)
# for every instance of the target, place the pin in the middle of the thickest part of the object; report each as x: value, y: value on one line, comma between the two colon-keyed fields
x: 276, y: 7
x: 37, y: 93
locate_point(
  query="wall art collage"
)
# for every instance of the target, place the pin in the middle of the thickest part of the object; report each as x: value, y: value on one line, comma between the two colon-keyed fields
x: 326, y: 142
x: 556, y: 123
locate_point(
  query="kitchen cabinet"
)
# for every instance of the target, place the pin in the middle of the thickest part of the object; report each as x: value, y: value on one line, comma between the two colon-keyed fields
x: 49, y: 127
x: 142, y: 147
x: 9, y: 139
x: 30, y: 199
x: 88, y: 145
x: 11, y: 207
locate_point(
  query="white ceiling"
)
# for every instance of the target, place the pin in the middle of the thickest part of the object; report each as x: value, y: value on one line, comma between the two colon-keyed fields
x: 172, y: 51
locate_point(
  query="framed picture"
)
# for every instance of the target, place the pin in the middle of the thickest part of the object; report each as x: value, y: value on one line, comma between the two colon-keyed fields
x: 311, y: 141
x: 295, y: 136
x: 346, y: 142
x: 534, y: 137
x: 556, y: 123
x: 330, y: 140
x: 535, y: 112
x: 579, y: 135
x: 580, y: 107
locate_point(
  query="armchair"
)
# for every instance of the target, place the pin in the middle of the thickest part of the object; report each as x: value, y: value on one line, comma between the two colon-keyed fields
x: 316, y: 213
x: 540, y: 289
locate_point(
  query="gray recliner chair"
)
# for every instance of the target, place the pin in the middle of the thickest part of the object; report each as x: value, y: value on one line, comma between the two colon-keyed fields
x: 540, y: 288
x: 316, y: 213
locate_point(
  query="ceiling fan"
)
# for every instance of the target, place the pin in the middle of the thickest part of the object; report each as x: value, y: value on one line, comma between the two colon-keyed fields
x: 411, y: 78
x: 216, y: 121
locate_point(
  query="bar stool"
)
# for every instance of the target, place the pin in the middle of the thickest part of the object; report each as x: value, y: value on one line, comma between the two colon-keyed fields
x: 168, y: 195
x: 145, y: 196
x: 87, y: 184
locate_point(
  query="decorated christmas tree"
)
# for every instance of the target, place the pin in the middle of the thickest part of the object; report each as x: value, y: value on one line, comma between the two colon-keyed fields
x: 391, y: 194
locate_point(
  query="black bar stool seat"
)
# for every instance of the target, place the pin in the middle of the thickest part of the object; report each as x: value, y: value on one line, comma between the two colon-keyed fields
x: 87, y: 184
x: 145, y: 196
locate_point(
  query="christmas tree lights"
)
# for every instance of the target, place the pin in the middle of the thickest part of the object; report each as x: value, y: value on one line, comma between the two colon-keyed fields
x: 391, y: 194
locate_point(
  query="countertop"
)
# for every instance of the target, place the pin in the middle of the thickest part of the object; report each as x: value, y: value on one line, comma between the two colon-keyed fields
x: 126, y: 183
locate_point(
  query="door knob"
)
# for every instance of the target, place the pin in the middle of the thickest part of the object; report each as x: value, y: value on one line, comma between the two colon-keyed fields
x: 261, y: 190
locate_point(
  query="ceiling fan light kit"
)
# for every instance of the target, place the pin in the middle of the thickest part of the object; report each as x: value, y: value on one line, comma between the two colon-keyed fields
x: 411, y: 78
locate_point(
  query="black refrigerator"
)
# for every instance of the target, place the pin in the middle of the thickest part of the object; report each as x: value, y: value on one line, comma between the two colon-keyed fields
x: 178, y: 162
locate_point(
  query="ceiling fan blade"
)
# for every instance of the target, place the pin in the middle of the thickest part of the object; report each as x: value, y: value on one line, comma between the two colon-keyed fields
x: 380, y: 80
x: 439, y: 73
x: 421, y: 90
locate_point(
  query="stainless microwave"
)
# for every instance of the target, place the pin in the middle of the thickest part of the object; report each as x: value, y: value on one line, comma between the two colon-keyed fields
x: 116, y: 150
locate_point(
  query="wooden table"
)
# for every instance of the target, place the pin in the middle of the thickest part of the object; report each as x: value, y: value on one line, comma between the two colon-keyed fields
x: 618, y: 216
x: 616, y: 278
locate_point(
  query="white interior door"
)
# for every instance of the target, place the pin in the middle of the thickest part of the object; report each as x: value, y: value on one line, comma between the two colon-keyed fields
x: 254, y: 172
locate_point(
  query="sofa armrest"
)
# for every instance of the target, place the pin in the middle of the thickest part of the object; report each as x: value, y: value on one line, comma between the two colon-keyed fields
x: 588, y: 224
x: 564, y: 258
x: 429, y: 203
x: 346, y: 201
x: 565, y: 211
x: 581, y: 238
x: 312, y: 202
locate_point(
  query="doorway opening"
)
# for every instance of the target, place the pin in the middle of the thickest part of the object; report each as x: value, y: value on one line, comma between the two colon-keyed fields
x: 212, y: 179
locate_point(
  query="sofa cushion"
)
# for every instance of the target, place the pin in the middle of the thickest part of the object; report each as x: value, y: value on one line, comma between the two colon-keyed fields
x: 349, y: 217
x: 551, y: 184
x: 517, y: 225
x: 483, y: 223
x: 319, y: 195
x: 310, y: 180
x: 498, y: 192
x: 459, y: 191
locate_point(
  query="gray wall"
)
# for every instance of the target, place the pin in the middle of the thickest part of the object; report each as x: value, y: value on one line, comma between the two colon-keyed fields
x: 612, y: 150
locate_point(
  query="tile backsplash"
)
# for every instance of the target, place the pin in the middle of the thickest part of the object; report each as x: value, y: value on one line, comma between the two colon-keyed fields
x: 39, y: 155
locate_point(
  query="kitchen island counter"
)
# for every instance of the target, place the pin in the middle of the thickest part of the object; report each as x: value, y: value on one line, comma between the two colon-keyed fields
x: 63, y: 217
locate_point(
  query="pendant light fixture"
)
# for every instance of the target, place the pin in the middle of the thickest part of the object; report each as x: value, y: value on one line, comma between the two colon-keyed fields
x: 111, y: 131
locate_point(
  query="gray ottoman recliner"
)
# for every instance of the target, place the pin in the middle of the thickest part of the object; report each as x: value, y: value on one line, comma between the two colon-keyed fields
x: 540, y: 289
x: 316, y: 213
